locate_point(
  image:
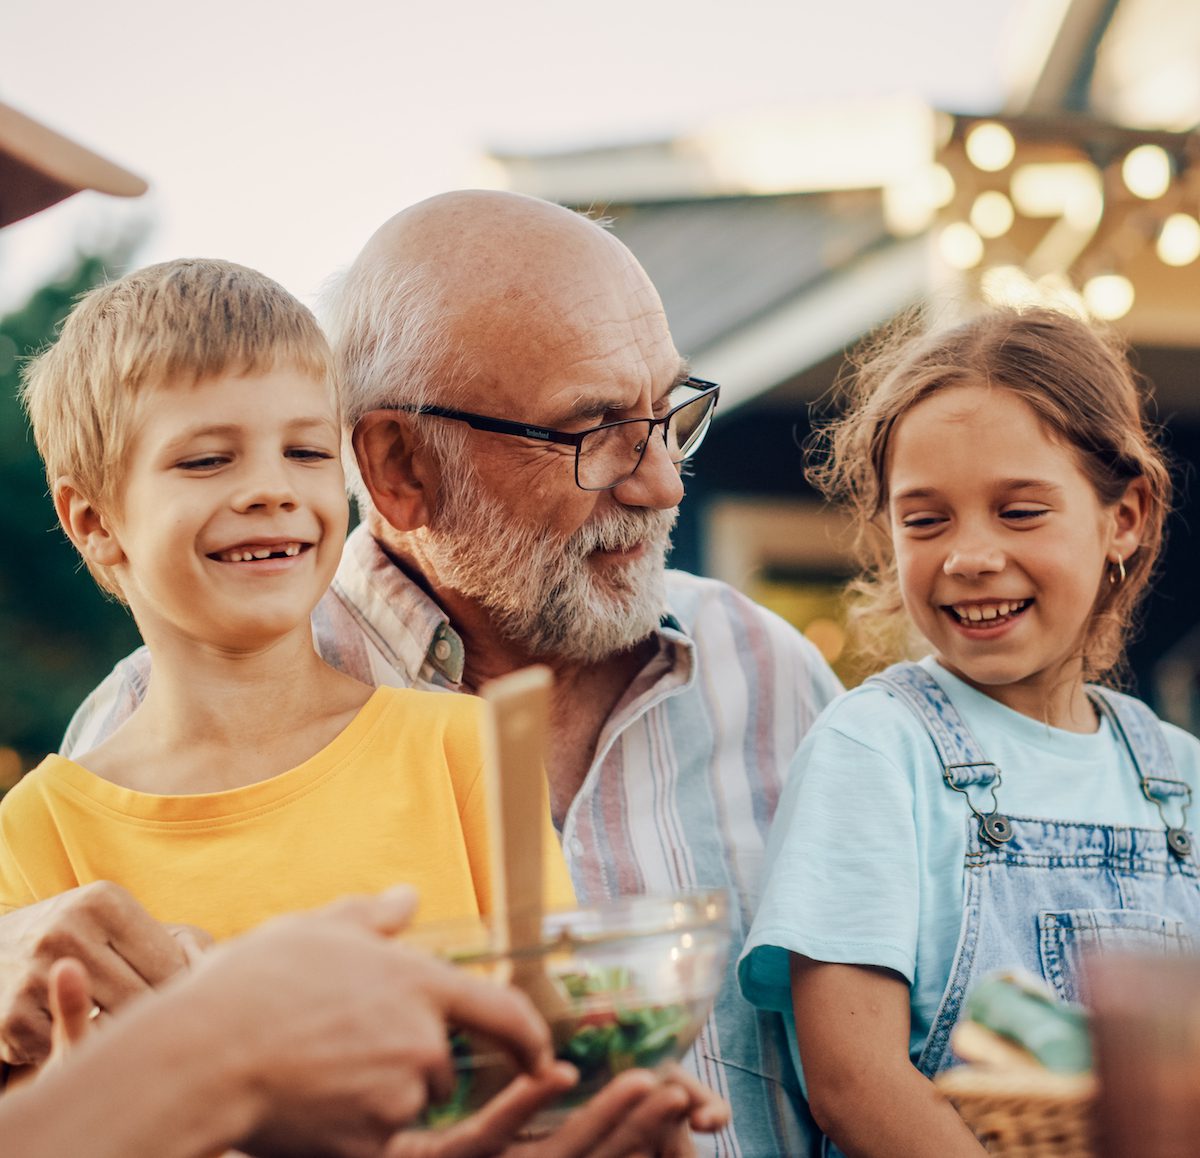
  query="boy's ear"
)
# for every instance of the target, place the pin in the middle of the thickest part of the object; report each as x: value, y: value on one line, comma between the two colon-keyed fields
x: 86, y: 526
x: 1130, y: 513
x: 399, y: 475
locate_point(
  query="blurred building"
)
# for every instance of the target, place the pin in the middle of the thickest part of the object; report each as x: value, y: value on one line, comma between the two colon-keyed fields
x: 778, y: 244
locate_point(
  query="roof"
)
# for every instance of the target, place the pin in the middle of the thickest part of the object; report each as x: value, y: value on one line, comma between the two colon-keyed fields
x: 757, y: 288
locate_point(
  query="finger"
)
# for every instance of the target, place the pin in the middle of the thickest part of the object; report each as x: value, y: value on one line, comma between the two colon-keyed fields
x: 582, y: 1134
x: 114, y: 981
x: 194, y: 942
x: 708, y: 1111
x: 71, y: 1005
x: 500, y: 1012
x: 493, y: 1128
x: 387, y: 913
x: 655, y: 1125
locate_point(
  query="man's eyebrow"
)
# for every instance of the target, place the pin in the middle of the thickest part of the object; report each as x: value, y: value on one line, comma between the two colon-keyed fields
x: 597, y: 405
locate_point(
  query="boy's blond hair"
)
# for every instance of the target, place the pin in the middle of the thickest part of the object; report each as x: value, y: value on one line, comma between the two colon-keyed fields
x: 173, y: 324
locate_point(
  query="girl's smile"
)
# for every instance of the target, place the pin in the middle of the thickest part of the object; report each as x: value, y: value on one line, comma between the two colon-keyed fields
x: 1001, y: 547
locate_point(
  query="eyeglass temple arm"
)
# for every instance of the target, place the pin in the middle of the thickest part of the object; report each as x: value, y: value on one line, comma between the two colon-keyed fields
x: 504, y: 425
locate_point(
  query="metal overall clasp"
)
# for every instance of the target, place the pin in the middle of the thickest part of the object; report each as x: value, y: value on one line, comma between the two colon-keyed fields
x: 994, y: 826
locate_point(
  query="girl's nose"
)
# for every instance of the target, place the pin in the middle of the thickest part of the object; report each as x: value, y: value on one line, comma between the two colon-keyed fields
x: 969, y: 558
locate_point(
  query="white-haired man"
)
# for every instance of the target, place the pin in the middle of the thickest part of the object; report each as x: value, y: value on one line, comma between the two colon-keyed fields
x: 519, y: 417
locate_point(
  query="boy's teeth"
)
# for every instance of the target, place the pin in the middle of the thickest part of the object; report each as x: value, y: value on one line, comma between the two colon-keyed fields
x: 246, y: 555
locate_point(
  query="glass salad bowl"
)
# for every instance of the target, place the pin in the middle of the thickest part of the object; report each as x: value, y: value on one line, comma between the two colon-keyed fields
x: 637, y: 977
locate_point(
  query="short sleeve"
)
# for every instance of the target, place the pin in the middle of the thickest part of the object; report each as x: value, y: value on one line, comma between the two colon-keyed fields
x: 843, y: 869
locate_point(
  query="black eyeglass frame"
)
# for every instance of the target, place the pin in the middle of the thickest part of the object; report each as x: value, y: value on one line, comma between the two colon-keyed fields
x: 575, y: 438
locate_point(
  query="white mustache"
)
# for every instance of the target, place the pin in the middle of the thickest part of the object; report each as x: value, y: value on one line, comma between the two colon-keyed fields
x: 623, y: 531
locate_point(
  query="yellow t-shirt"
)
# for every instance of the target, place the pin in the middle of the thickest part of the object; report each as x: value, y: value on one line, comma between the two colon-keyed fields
x: 398, y: 796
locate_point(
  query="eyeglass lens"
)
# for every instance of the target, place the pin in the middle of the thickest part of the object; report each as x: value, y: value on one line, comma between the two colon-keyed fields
x: 611, y: 454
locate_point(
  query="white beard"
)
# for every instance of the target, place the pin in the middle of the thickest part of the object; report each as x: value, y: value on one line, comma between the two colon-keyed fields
x: 540, y: 590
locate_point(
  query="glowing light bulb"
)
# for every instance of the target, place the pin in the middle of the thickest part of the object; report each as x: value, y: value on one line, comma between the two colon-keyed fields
x: 1108, y: 296
x: 1146, y: 171
x: 990, y: 146
x: 992, y: 214
x: 960, y: 246
x: 1179, y: 240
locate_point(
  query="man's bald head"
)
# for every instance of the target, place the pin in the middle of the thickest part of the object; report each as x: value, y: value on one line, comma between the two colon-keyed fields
x: 479, y: 290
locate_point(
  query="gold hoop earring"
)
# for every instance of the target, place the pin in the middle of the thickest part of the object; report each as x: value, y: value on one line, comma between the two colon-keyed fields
x: 1117, y: 579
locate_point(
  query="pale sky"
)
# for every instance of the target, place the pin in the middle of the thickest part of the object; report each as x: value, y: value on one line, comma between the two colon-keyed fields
x: 281, y: 133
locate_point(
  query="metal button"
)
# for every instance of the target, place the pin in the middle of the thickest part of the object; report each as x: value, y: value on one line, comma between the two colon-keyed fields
x: 996, y: 828
x: 1179, y: 841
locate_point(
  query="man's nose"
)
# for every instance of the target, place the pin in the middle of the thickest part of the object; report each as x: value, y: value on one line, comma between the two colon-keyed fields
x: 656, y: 483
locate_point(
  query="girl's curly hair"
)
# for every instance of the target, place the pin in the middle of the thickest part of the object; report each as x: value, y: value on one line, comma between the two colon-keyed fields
x: 1077, y: 379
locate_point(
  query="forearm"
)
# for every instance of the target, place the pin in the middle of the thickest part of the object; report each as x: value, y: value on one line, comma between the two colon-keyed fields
x: 891, y: 1114
x: 153, y: 1084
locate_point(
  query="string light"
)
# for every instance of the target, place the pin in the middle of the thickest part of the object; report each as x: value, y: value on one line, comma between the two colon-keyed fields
x: 960, y: 246
x: 1179, y: 240
x: 990, y: 147
x: 992, y: 214
x: 1108, y: 296
x: 1146, y: 171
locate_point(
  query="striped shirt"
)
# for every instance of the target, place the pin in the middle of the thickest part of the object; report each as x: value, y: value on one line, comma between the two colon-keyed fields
x: 679, y: 796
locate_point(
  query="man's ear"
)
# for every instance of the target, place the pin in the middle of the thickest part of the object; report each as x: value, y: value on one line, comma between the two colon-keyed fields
x: 397, y: 472
x: 86, y: 525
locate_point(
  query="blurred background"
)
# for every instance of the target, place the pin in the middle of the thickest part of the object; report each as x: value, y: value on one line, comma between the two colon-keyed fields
x: 791, y: 174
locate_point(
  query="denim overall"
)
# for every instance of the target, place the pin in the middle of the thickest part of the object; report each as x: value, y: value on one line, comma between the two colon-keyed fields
x: 1039, y: 894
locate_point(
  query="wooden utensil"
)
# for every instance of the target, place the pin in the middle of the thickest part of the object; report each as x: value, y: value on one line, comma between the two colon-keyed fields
x: 520, y: 704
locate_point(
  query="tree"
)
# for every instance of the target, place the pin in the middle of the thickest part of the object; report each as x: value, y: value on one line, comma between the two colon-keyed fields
x: 60, y: 634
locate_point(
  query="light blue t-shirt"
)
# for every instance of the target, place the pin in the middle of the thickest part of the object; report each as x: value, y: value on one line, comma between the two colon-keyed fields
x: 865, y: 860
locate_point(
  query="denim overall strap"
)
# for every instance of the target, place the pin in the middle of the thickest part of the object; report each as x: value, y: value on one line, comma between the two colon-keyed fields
x: 1141, y: 732
x: 964, y: 766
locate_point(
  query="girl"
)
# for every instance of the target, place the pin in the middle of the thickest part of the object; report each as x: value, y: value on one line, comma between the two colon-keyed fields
x: 987, y: 807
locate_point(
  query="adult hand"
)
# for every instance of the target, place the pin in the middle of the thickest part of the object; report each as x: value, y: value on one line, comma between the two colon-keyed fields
x: 342, y: 1034
x: 638, y: 1115
x: 123, y: 949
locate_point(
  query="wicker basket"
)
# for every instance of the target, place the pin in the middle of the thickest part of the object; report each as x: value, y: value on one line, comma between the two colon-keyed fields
x: 1025, y: 1113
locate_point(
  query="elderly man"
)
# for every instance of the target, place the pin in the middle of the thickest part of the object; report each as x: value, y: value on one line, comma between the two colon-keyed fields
x: 519, y: 416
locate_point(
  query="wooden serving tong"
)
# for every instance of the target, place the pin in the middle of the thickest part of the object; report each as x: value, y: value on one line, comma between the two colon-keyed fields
x: 520, y: 704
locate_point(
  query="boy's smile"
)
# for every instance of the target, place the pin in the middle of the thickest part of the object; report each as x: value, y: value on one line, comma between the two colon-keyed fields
x: 1001, y: 544
x: 233, y: 511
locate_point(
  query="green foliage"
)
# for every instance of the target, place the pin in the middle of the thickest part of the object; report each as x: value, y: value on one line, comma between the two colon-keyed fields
x: 60, y: 634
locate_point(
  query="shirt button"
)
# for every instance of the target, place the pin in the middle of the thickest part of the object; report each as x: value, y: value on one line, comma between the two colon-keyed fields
x: 442, y: 649
x: 575, y: 846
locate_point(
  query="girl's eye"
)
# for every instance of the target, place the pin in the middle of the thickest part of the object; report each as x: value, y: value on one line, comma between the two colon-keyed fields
x: 1024, y: 514
x: 203, y: 462
x: 921, y: 522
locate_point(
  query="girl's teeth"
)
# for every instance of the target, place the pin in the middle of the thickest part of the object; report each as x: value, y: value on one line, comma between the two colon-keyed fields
x: 977, y: 613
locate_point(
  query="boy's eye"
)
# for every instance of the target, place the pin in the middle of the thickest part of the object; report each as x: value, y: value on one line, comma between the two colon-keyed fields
x: 309, y: 454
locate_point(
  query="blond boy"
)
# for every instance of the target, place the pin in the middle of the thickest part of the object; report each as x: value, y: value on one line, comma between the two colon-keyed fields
x: 189, y: 421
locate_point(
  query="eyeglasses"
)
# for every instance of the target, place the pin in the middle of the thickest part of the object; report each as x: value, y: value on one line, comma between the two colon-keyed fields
x: 608, y: 454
